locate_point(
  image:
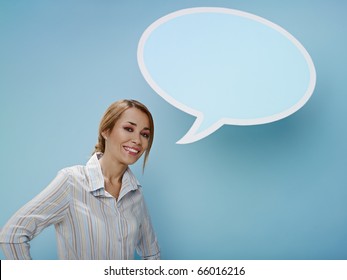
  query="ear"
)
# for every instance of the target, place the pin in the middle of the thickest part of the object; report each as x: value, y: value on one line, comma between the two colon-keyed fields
x: 105, y: 134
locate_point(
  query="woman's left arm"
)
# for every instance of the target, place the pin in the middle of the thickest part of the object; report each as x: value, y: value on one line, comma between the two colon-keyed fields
x: 148, y: 247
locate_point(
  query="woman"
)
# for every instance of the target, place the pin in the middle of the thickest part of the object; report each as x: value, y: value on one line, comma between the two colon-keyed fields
x: 98, y: 209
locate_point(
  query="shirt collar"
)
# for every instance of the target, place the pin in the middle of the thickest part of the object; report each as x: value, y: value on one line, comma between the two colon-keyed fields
x: 96, y: 178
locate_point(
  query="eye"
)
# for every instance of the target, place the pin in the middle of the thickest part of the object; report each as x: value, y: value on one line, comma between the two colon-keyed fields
x: 129, y: 129
x: 146, y: 135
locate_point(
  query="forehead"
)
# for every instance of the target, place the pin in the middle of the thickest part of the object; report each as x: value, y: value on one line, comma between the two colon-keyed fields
x: 135, y: 116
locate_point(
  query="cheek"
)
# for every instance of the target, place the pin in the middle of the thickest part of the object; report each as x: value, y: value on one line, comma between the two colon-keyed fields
x: 119, y: 135
x: 145, y: 144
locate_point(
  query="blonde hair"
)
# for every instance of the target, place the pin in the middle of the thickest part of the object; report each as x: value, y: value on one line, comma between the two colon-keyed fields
x: 111, y: 116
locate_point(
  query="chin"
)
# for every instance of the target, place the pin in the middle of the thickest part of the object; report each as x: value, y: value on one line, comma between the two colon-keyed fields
x: 130, y: 161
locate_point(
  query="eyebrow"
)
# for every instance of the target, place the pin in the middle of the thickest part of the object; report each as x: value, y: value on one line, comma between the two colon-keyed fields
x: 134, y: 124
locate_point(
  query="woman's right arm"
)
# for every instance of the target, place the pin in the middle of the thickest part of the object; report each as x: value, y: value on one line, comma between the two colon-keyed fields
x: 47, y: 208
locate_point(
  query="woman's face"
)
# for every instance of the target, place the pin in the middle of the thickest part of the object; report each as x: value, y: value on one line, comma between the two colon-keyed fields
x: 129, y: 137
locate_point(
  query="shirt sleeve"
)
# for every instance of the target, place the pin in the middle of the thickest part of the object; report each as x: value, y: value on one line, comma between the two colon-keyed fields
x: 148, y: 247
x: 47, y: 208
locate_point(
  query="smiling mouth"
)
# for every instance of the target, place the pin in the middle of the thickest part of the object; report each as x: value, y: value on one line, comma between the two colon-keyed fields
x: 131, y: 151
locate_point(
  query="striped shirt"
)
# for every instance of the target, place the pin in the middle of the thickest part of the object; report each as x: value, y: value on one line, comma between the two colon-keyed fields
x: 89, y: 222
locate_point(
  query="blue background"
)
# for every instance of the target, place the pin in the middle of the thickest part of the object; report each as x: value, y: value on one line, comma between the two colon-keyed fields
x: 274, y: 191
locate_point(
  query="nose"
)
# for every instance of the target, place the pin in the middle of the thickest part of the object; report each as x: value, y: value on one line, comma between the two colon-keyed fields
x: 137, y: 140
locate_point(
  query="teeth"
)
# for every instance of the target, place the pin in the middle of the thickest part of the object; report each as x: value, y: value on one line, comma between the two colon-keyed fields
x: 131, y: 150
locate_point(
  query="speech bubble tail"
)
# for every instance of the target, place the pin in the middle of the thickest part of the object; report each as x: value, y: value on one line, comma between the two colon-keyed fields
x: 201, y: 128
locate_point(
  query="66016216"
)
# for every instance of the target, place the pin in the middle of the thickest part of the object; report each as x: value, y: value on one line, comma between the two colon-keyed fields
x: 221, y: 271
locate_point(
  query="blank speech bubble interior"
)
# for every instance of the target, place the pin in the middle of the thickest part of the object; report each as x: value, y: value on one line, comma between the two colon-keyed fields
x: 225, y: 66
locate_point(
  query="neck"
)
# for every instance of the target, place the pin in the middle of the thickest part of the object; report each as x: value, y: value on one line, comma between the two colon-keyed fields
x: 111, y: 169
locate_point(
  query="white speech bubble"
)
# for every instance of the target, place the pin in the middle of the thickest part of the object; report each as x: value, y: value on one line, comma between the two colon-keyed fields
x: 225, y: 66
